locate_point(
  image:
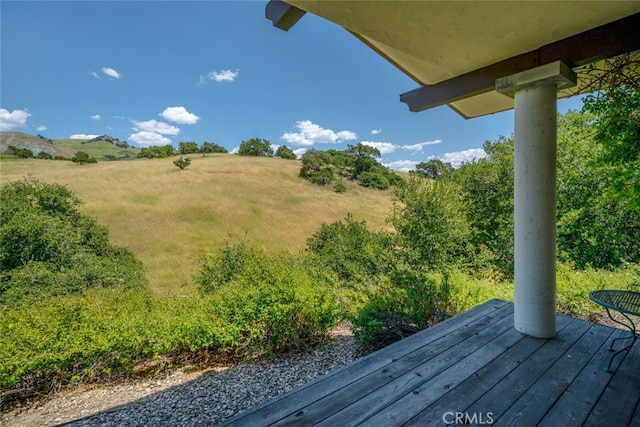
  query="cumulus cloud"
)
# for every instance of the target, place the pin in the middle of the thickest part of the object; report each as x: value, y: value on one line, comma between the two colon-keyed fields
x: 179, y: 115
x: 13, y: 119
x: 157, y: 127
x: 382, y: 147
x: 83, y: 136
x: 401, y: 165
x: 96, y: 117
x: 111, y: 72
x: 310, y: 133
x: 41, y: 128
x: 146, y: 139
x: 420, y: 146
x: 375, y: 131
x: 299, y: 152
x: 219, y: 76
x: 459, y: 157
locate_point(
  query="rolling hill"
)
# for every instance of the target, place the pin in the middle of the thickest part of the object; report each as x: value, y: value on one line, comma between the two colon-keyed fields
x: 170, y: 218
x: 101, y: 148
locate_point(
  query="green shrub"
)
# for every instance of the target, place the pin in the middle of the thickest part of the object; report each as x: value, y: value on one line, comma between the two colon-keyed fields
x: 339, y: 186
x: 401, y: 306
x: 282, y: 299
x: 429, y: 218
x: 322, y: 177
x: 48, y: 248
x: 374, y: 180
x: 355, y: 253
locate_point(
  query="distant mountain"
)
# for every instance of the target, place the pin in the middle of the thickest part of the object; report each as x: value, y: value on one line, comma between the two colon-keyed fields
x: 110, y: 140
x: 35, y: 144
x: 104, y: 147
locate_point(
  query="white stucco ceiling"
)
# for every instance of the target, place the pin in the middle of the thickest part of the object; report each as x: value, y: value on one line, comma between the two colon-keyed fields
x: 433, y: 41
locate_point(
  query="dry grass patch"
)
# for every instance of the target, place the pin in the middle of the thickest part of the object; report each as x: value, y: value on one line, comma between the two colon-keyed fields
x: 169, y: 217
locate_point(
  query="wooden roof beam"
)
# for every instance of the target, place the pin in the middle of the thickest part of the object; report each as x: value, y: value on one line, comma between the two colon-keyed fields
x: 613, y: 39
x: 283, y: 15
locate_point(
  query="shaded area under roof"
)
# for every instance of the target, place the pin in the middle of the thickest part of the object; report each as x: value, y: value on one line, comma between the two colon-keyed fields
x: 456, y: 50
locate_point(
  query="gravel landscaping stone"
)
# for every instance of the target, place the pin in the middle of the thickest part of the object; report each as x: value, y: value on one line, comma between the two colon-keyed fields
x: 202, y: 398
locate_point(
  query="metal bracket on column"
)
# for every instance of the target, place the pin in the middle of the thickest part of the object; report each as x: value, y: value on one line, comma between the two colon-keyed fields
x: 556, y: 72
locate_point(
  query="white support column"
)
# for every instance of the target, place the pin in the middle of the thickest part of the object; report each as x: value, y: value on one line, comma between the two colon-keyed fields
x: 535, y: 94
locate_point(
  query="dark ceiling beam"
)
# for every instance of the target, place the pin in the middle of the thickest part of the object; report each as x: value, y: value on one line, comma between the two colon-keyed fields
x: 283, y: 15
x: 607, y: 41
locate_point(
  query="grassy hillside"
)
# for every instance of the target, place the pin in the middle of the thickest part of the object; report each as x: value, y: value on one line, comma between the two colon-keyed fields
x: 65, y: 147
x: 96, y: 149
x: 171, y: 217
x: 33, y: 143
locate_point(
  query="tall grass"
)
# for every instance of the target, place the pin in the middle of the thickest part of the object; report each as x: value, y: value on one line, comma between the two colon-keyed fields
x: 169, y: 217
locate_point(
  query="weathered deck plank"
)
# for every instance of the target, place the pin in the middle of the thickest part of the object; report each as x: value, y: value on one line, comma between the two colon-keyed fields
x: 466, y: 393
x: 474, y: 364
x: 273, y: 411
x: 414, y: 401
x: 404, y: 374
x: 417, y: 378
x: 619, y: 400
x: 540, y: 397
x: 573, y: 407
x: 500, y: 398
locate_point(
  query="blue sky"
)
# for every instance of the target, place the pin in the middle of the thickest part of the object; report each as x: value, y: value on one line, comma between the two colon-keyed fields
x: 159, y: 72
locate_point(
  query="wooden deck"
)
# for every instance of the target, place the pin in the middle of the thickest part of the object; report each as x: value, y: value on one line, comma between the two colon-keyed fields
x: 474, y: 368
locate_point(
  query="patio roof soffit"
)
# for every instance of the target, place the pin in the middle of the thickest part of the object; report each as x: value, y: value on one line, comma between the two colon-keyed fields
x: 457, y: 50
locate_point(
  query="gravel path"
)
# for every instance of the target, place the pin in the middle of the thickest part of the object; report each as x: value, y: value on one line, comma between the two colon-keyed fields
x: 201, y: 398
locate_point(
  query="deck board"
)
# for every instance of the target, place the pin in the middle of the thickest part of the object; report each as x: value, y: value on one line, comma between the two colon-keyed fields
x: 540, y: 397
x: 573, y: 407
x: 477, y: 364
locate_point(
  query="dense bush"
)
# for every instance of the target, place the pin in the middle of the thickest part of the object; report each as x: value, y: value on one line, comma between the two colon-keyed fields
x: 81, y: 157
x: 357, y: 162
x: 285, y: 152
x: 257, y: 304
x: 21, y: 153
x: 210, y: 147
x: 355, y: 253
x: 156, y: 152
x: 47, y: 247
x: 429, y: 218
x: 255, y: 147
x: 285, y: 300
x: 401, y: 306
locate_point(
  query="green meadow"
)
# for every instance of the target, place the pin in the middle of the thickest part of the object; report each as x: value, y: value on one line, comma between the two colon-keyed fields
x: 171, y: 217
x: 242, y: 258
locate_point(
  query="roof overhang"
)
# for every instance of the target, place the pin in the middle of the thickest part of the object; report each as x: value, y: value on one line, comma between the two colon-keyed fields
x: 456, y: 50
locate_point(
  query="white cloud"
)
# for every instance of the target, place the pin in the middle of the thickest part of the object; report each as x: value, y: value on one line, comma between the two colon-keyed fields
x: 96, y: 117
x: 154, y: 126
x: 420, y: 146
x: 94, y: 74
x: 14, y: 119
x: 41, y: 128
x: 402, y: 165
x: 310, y: 133
x: 375, y: 131
x: 111, y: 72
x: 219, y: 76
x: 179, y: 115
x: 83, y: 136
x: 299, y: 152
x: 382, y: 147
x: 459, y: 157
x: 147, y: 139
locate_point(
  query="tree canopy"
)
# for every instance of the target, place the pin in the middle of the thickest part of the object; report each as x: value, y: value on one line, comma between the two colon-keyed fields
x: 255, y: 147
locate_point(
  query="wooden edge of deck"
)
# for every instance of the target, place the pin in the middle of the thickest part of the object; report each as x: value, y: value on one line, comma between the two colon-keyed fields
x: 373, y: 361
